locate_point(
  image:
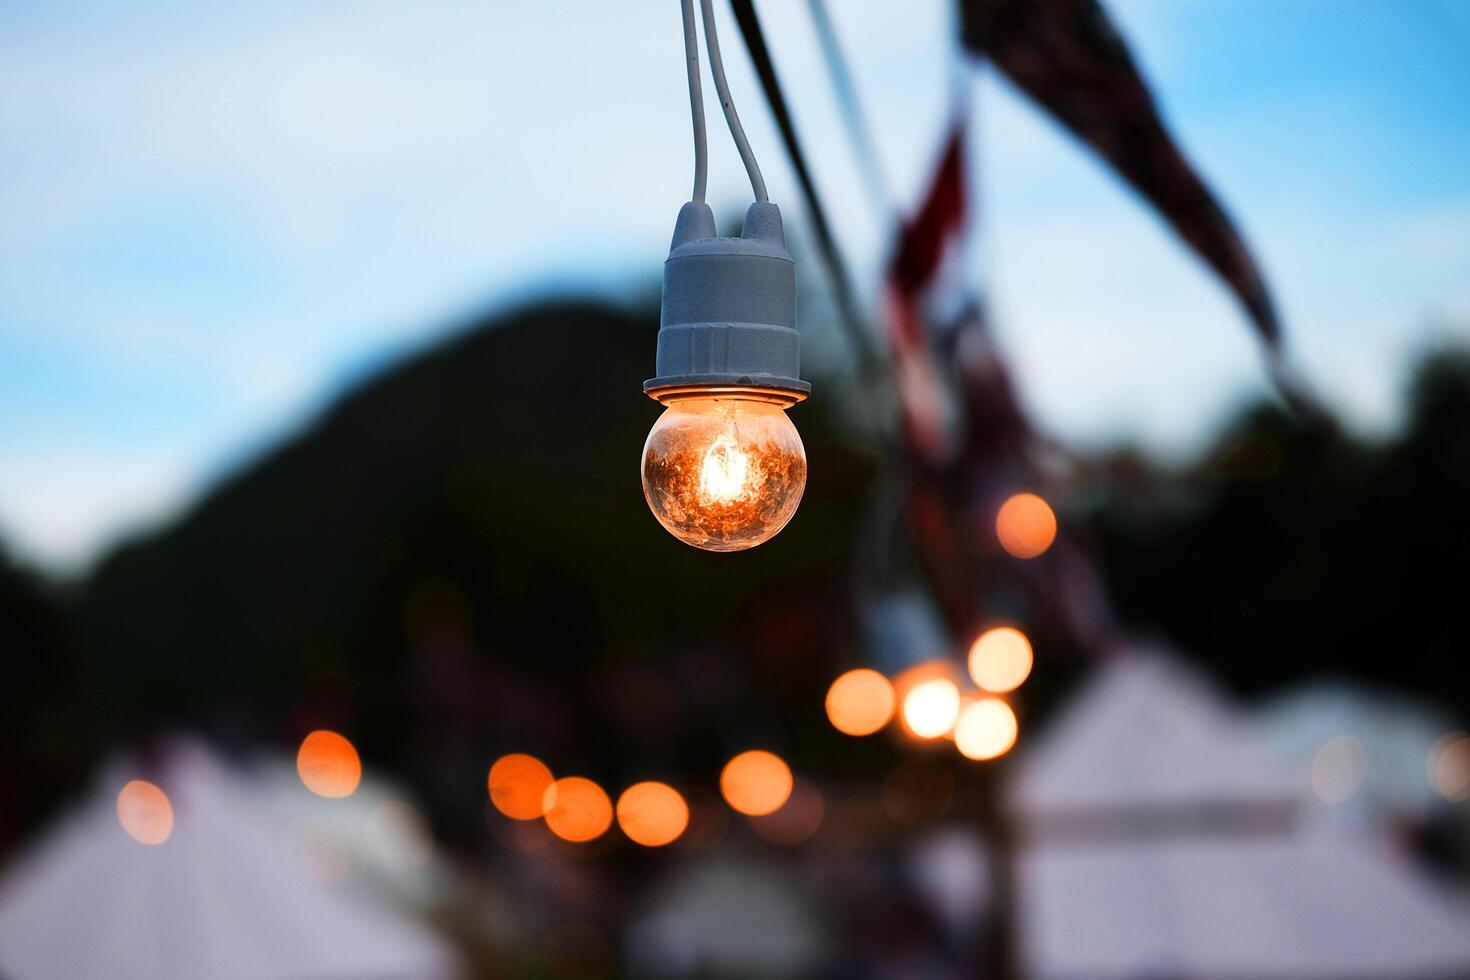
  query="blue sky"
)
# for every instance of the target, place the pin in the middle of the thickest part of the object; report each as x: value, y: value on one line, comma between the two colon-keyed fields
x: 215, y: 216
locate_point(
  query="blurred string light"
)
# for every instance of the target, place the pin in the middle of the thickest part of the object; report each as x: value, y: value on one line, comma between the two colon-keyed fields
x: 1339, y: 768
x: 518, y: 784
x: 145, y: 812
x: 986, y: 729
x: 652, y: 814
x: 756, y: 782
x: 1026, y: 525
x: 794, y: 821
x: 1000, y: 659
x: 917, y: 792
x: 577, y: 809
x: 328, y: 764
x: 860, y: 702
x: 709, y: 820
x: 931, y: 707
x: 723, y: 468
x: 1449, y: 767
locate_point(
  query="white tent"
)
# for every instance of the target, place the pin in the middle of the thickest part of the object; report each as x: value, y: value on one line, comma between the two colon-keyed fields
x: 727, y: 918
x: 1394, y: 733
x: 226, y: 897
x: 1161, y: 841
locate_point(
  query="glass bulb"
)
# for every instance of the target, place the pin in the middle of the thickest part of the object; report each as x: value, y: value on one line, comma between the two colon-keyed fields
x: 723, y: 472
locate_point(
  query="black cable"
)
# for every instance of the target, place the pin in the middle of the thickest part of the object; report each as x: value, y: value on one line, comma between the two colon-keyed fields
x: 858, y: 133
x: 848, y: 311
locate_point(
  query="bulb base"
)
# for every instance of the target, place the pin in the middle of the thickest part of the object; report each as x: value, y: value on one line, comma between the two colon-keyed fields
x: 728, y: 315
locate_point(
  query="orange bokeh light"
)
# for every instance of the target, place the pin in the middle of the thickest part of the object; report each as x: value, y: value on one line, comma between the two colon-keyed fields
x: 1026, y: 525
x: 986, y: 729
x: 577, y: 809
x: 1449, y: 766
x: 517, y: 785
x: 1000, y: 659
x: 652, y: 814
x: 860, y: 702
x: 756, y: 782
x: 795, y: 820
x: 1338, y: 769
x: 145, y: 812
x: 930, y: 708
x: 328, y: 764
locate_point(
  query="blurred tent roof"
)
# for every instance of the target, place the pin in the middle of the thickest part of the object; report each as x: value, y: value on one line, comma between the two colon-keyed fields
x: 225, y: 896
x: 1148, y: 731
x: 1398, y: 733
x: 727, y: 918
x: 1162, y: 842
x: 378, y: 839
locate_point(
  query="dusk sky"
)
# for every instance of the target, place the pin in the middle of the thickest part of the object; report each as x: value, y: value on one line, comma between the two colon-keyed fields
x: 215, y: 217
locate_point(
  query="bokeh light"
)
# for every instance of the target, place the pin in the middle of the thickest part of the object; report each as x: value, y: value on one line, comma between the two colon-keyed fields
x: 1449, y: 766
x: 577, y: 809
x: 1026, y: 525
x: 1339, y: 767
x: 325, y: 848
x: 986, y: 729
x: 756, y: 782
x: 930, y: 708
x: 1000, y: 659
x: 918, y: 791
x: 517, y: 785
x: 796, y: 820
x: 145, y: 812
x: 709, y: 820
x: 860, y: 702
x: 328, y: 764
x: 652, y: 814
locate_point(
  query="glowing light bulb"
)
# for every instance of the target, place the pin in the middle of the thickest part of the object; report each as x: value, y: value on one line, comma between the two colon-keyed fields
x: 723, y: 472
x: 518, y: 784
x: 577, y: 809
x: 1026, y: 525
x: 328, y: 764
x: 860, y: 702
x: 756, y: 782
x: 1000, y: 659
x: 145, y: 812
x: 986, y: 729
x: 930, y: 708
x: 652, y: 814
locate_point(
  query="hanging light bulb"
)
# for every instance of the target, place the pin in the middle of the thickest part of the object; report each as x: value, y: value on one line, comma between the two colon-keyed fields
x: 723, y: 472
x: 723, y: 468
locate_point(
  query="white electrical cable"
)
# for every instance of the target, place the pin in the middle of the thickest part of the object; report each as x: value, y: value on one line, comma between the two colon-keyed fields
x: 717, y: 69
x: 696, y: 102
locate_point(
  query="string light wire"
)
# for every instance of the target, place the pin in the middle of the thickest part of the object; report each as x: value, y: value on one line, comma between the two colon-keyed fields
x: 732, y: 118
x: 859, y: 135
x: 696, y: 102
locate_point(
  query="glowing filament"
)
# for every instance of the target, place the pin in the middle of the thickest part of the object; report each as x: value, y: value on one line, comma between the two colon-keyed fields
x: 724, y: 472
